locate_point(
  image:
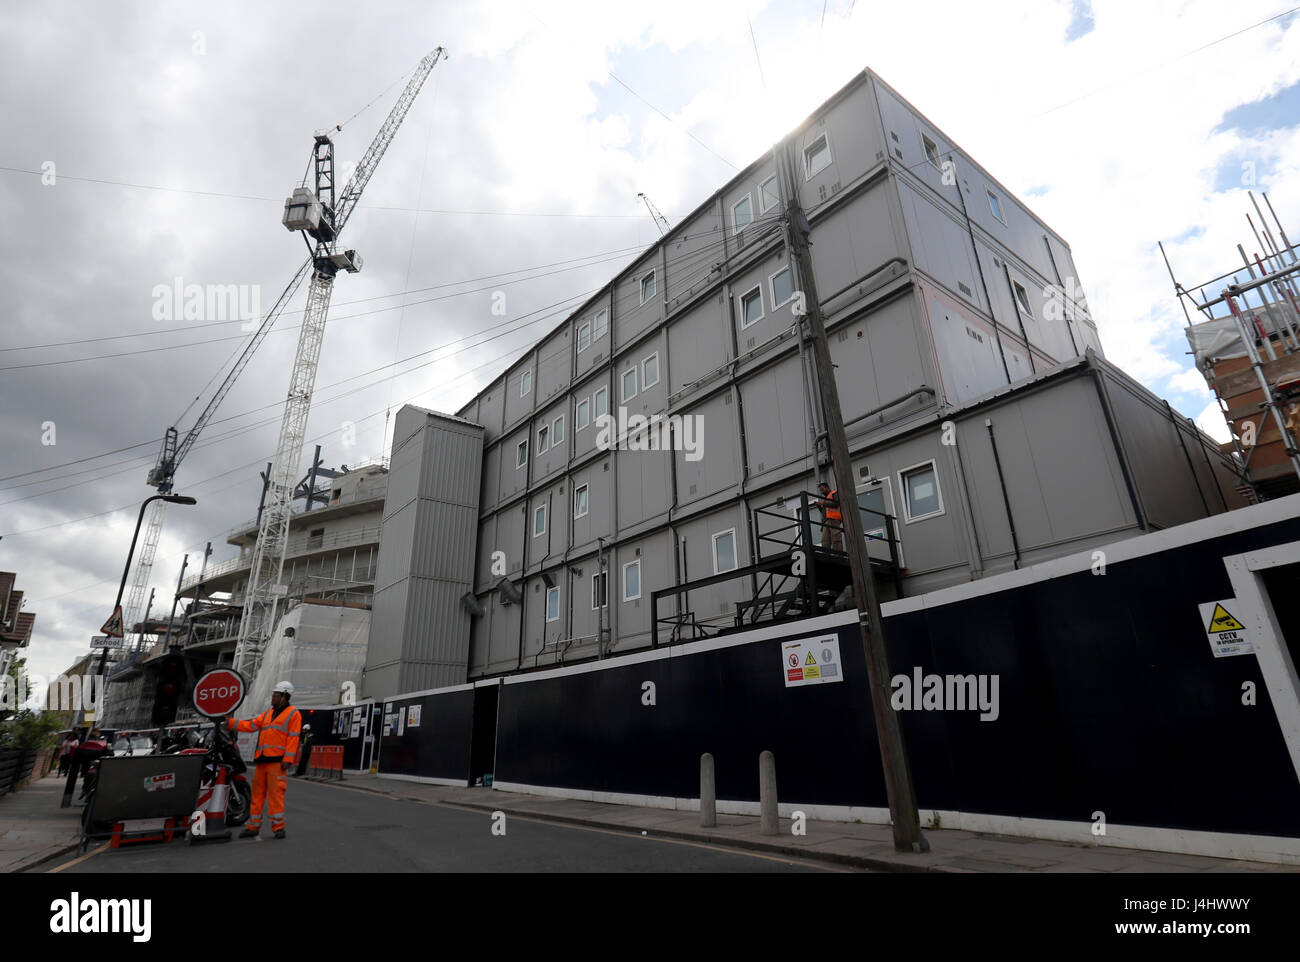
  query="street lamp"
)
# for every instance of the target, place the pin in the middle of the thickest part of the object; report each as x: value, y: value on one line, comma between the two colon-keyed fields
x: 121, y: 588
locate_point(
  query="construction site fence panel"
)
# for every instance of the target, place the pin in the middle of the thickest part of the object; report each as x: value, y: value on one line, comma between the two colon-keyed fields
x: 428, y: 735
x: 1109, y: 698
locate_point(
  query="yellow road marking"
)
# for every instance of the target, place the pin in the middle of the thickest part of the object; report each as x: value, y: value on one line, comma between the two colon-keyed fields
x: 79, y: 859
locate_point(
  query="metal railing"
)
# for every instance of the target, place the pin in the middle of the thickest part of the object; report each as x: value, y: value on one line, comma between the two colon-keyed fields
x: 303, y: 544
x: 801, y: 577
x: 375, y: 492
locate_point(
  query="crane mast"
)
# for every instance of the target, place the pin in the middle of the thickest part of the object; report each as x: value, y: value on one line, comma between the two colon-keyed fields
x: 321, y: 215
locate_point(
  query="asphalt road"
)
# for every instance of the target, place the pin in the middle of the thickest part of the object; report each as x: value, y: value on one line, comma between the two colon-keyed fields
x: 336, y: 829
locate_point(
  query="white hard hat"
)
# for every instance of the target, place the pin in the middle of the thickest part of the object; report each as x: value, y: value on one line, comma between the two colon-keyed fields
x: 283, y: 686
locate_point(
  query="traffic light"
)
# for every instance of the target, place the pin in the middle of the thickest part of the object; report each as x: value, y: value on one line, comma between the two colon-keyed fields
x: 167, y: 696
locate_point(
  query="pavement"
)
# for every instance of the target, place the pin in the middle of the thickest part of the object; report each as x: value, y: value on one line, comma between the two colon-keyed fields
x: 33, y: 830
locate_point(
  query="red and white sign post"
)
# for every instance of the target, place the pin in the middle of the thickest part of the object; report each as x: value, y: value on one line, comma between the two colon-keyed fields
x: 219, y: 692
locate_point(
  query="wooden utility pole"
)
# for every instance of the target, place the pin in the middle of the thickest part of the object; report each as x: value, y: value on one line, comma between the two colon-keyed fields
x: 893, y: 756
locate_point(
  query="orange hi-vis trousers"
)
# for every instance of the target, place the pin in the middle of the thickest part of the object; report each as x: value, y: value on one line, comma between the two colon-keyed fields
x: 268, y: 779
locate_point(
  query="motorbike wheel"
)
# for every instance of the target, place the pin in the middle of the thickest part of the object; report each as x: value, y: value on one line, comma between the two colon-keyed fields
x: 239, y: 803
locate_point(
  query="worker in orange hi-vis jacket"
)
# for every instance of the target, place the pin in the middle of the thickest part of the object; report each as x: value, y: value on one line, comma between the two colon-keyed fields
x: 278, y: 731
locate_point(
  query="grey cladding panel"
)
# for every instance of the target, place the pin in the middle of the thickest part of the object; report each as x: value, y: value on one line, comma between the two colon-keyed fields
x: 855, y: 240
x: 403, y: 476
x: 555, y: 456
x: 966, y: 347
x: 387, y: 620
x: 631, y: 315
x: 396, y: 545
x: 1165, y: 481
x: 516, y: 405
x: 514, y: 477
x: 445, y: 538
x: 492, y: 410
x: 698, y: 342
x: 878, y: 359
x: 487, y: 544
x: 719, y: 466
x: 693, y: 251
x: 941, y: 245
x: 452, y: 458
x: 553, y: 366
x: 643, y: 485
x: 775, y: 408
x: 597, y: 350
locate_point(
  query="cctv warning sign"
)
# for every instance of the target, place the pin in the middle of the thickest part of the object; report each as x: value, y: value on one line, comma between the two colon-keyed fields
x: 1224, y: 630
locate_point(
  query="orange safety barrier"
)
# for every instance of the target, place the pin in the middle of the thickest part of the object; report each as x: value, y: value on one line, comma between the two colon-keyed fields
x: 326, y: 761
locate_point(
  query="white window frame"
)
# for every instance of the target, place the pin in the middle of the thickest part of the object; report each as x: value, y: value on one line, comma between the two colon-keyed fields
x: 622, y: 381
x: 595, y: 592
x: 586, y: 501
x: 543, y: 439
x: 906, y: 502
x: 808, y: 172
x: 1017, y: 289
x: 557, y: 431
x: 636, y: 564
x: 600, y: 324
x: 771, y: 286
x: 583, y: 416
x: 735, y: 551
x: 761, y: 313
x: 995, y: 207
x: 521, y: 448
x: 645, y: 380
x: 525, y: 383
x: 648, y: 275
x: 584, y: 326
x: 775, y: 195
x: 556, y: 593
x: 747, y: 199
x: 539, y: 511
x: 595, y: 403
x: 926, y: 143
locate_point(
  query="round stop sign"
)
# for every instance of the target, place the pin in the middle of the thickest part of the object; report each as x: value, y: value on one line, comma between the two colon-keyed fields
x: 219, y: 692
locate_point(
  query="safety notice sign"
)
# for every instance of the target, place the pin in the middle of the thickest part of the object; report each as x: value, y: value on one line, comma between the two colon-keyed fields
x: 413, y: 716
x: 1227, y: 635
x: 811, y: 661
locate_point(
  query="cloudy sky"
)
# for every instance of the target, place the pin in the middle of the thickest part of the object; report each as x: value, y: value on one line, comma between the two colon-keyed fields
x: 150, y: 144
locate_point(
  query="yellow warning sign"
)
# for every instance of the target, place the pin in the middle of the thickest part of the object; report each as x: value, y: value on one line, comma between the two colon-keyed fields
x: 810, y: 660
x: 1221, y: 620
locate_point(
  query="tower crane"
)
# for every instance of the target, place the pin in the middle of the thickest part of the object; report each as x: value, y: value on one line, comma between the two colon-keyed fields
x: 174, y: 448
x: 320, y: 215
x: 660, y: 220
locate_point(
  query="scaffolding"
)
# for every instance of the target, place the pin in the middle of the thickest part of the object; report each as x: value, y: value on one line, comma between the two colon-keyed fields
x: 1247, y: 347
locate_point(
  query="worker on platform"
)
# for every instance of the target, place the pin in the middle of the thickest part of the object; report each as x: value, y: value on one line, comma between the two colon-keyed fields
x: 832, y: 519
x: 278, y: 728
